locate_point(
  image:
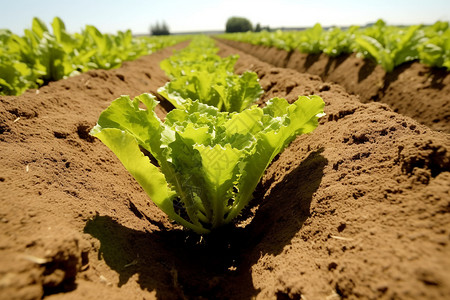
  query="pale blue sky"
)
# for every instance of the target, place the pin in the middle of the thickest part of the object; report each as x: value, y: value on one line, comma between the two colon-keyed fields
x: 196, y: 15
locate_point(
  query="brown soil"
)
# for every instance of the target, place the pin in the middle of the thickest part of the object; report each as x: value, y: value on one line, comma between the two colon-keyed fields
x: 357, y: 209
x: 412, y: 89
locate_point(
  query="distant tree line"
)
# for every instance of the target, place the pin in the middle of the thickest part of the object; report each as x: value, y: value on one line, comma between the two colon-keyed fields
x: 258, y: 28
x: 240, y: 24
x: 234, y: 24
x: 159, y: 29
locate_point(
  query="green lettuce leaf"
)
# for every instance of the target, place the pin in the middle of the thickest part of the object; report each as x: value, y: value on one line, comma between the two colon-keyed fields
x: 208, y: 162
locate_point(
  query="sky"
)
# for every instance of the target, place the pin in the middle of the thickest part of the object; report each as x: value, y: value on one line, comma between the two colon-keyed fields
x: 109, y: 16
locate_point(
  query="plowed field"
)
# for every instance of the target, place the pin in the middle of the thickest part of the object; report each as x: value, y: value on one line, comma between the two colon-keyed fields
x: 358, y: 209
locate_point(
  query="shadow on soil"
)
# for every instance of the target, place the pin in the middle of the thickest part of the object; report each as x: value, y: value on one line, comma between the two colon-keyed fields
x: 332, y: 64
x: 366, y: 69
x: 177, y: 266
x: 391, y: 77
x: 437, y: 76
x: 310, y: 60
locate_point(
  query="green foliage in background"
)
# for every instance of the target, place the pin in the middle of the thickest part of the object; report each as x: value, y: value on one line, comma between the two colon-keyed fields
x: 389, y: 46
x: 238, y: 24
x: 43, y: 55
x: 435, y: 51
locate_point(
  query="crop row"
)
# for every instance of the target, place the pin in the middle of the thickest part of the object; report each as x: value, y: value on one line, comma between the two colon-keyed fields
x: 197, y: 72
x: 389, y: 46
x: 41, y: 55
x: 213, y: 148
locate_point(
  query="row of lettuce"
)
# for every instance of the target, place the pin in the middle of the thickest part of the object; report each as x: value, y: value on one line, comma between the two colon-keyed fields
x: 389, y: 46
x: 213, y: 148
x: 44, y: 55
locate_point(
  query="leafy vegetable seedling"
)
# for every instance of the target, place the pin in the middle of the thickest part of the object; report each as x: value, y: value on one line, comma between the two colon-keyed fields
x: 198, y: 73
x: 209, y: 162
x: 227, y: 92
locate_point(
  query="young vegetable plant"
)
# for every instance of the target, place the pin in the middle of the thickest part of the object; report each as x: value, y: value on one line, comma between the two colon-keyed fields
x: 227, y: 92
x: 208, y: 162
x: 198, y: 73
x: 436, y: 50
x: 396, y: 47
x: 200, y: 55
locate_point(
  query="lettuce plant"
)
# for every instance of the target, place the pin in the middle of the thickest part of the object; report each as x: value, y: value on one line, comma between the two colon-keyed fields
x: 309, y: 40
x: 199, y: 56
x: 208, y: 162
x: 198, y: 73
x: 336, y: 41
x: 435, y: 51
x: 396, y: 46
x: 227, y: 92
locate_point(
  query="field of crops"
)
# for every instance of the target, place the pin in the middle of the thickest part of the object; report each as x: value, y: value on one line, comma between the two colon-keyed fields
x: 43, y: 55
x: 353, y: 204
x: 405, y: 67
